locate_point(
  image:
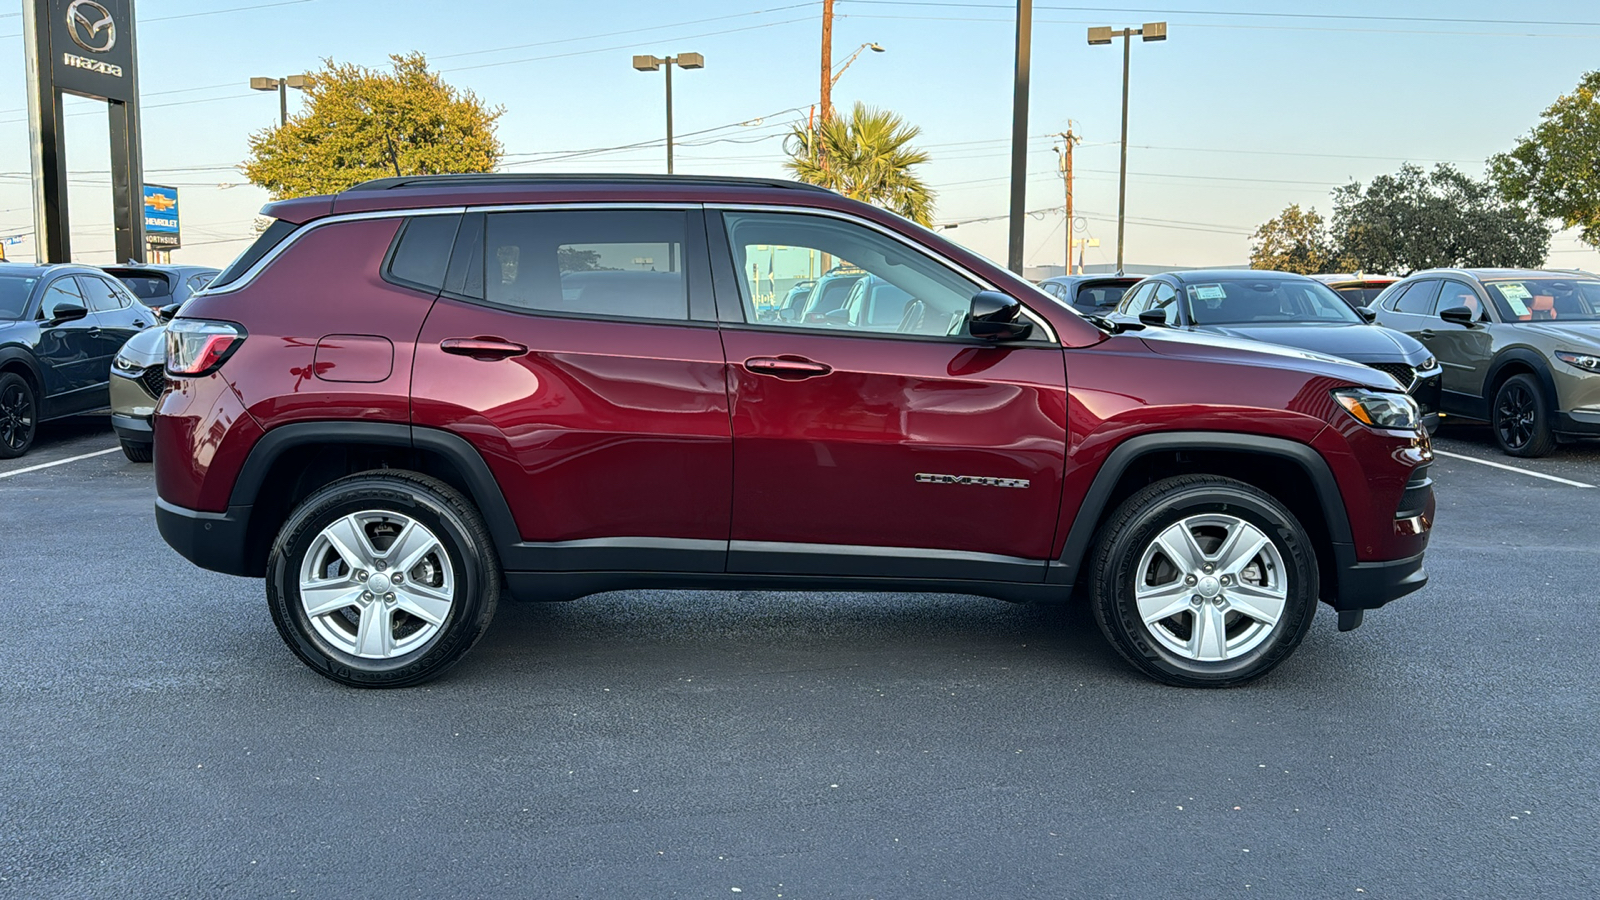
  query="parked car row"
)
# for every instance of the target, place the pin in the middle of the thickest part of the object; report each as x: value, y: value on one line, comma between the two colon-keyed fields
x: 1519, y: 349
x: 62, y: 328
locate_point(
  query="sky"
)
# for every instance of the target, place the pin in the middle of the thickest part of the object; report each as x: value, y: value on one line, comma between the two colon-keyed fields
x: 1249, y: 106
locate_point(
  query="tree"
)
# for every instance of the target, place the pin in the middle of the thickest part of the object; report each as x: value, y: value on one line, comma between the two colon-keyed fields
x: 367, y: 123
x: 1420, y: 220
x: 866, y: 155
x: 1555, y: 168
x: 1295, y: 241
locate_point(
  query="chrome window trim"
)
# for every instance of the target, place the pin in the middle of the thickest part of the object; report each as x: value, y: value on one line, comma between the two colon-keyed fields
x: 250, y: 274
x: 983, y: 283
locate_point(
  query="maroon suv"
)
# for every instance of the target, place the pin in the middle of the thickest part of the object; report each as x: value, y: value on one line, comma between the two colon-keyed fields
x: 412, y: 398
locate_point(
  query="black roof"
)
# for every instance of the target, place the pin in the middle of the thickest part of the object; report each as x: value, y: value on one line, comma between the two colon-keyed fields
x: 516, y: 178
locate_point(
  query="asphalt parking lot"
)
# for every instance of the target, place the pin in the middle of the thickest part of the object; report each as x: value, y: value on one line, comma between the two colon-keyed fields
x: 161, y: 741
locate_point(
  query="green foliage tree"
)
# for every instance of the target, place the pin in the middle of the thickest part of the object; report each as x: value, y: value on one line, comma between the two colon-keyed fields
x: 1419, y: 220
x: 866, y: 155
x: 366, y: 123
x: 1555, y: 168
x: 1295, y: 240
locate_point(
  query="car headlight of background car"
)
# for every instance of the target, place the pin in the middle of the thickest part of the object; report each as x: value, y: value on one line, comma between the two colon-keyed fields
x: 1589, y: 362
x: 125, y: 365
x: 1380, y: 409
x: 1428, y: 365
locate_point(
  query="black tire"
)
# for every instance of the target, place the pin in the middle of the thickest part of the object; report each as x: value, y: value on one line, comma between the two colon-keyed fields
x: 460, y: 531
x: 1121, y: 544
x: 1521, y: 418
x: 137, y: 452
x: 19, y: 415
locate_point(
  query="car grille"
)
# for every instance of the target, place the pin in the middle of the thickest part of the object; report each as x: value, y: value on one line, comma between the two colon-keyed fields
x: 1401, y: 372
x: 154, y: 379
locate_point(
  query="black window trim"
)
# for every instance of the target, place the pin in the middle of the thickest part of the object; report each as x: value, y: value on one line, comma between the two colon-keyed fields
x: 697, y: 284
x: 730, y: 300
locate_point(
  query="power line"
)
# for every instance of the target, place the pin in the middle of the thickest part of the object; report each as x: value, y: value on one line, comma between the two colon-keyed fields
x: 193, y: 15
x: 1347, y: 17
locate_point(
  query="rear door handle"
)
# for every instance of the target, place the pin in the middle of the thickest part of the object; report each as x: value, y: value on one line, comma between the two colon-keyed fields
x: 1425, y: 334
x: 789, y: 368
x: 486, y: 349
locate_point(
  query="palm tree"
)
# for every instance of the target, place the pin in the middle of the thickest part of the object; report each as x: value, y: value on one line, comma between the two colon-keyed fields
x: 867, y: 156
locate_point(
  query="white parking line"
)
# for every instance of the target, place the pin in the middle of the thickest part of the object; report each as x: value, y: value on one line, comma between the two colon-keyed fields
x: 1485, y: 462
x: 59, y: 462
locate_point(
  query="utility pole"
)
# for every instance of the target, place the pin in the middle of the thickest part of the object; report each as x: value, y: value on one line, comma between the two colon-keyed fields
x: 1019, y: 137
x: 1065, y: 154
x: 826, y: 109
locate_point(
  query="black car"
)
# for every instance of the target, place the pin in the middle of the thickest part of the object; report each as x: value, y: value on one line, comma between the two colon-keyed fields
x: 1094, y: 295
x: 163, y: 287
x: 60, y: 325
x: 1286, y: 309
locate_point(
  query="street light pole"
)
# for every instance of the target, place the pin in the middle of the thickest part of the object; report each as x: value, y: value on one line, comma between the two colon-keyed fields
x: 648, y: 63
x: 1019, y: 137
x: 282, y: 85
x: 1152, y: 31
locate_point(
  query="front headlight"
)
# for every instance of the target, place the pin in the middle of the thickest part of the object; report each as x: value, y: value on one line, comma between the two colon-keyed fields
x: 1589, y: 362
x: 123, y: 364
x: 1380, y: 409
x: 1427, y: 365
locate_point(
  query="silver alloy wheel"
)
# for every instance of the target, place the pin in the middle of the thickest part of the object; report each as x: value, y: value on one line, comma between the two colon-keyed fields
x: 1211, y: 587
x: 376, y: 584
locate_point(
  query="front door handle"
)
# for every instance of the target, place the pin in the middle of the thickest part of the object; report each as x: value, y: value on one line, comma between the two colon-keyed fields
x: 1425, y: 334
x: 789, y: 368
x: 486, y: 349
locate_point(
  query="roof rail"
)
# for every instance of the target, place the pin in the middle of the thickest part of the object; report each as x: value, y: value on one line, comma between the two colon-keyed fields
x: 511, y: 178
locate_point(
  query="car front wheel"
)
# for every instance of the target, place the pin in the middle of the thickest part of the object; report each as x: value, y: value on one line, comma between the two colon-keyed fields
x: 1203, y: 581
x: 1522, y: 418
x: 19, y: 415
x: 383, y: 579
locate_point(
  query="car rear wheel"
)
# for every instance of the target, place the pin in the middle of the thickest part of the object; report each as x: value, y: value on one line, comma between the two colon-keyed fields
x: 19, y: 415
x: 1522, y: 418
x: 1203, y: 581
x: 383, y: 579
x: 137, y: 452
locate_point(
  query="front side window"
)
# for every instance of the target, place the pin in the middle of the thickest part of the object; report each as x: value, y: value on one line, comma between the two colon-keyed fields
x: 1134, y: 302
x: 1240, y: 301
x: 61, y: 292
x: 1546, y: 299
x: 607, y: 263
x: 1165, y: 299
x: 1455, y: 294
x: 865, y: 281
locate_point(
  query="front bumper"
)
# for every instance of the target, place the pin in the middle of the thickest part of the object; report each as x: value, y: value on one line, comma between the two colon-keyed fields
x: 132, y: 429
x: 210, y: 540
x: 1580, y: 422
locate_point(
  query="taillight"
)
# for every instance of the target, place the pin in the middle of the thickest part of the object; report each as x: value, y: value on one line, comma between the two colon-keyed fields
x: 199, y: 346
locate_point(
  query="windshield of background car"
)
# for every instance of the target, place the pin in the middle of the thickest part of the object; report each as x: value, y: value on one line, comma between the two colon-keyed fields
x: 1360, y: 296
x: 14, y: 293
x: 151, y: 289
x: 1240, y: 302
x: 1100, y: 296
x: 1546, y: 299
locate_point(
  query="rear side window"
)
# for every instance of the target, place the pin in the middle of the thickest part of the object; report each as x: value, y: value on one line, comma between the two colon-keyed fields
x: 604, y: 263
x: 1418, y: 299
x: 101, y: 296
x: 263, y: 245
x: 421, y: 251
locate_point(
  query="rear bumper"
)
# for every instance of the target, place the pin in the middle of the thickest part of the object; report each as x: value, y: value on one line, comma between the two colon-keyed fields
x: 210, y: 540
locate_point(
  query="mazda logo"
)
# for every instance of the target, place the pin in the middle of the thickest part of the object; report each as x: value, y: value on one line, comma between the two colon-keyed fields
x: 91, y: 27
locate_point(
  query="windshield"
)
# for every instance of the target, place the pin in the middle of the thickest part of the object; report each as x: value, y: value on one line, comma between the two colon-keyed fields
x: 14, y: 293
x: 1546, y: 299
x: 1237, y: 302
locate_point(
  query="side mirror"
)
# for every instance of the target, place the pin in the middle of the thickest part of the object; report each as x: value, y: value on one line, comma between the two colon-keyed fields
x: 1155, y: 317
x: 165, y: 313
x: 1460, y: 315
x: 997, y: 317
x: 66, y: 312
x: 1367, y: 314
